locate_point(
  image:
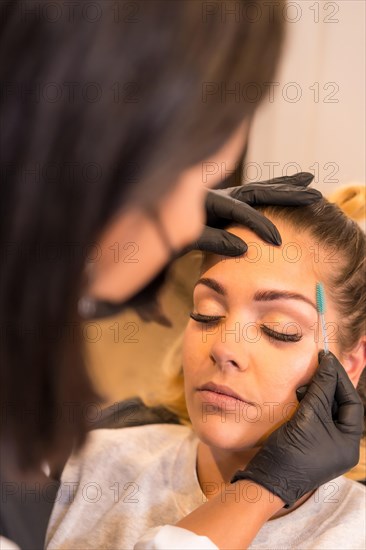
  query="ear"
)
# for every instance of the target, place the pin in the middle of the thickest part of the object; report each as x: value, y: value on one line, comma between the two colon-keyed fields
x: 354, y: 361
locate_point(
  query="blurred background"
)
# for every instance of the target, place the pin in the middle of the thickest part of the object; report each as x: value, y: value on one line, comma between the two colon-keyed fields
x: 317, y: 118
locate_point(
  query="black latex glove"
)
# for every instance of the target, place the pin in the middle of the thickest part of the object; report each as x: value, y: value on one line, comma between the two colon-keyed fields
x: 312, y: 447
x: 235, y: 204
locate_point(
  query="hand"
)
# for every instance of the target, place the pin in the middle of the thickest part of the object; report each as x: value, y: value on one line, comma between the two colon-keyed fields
x: 314, y: 446
x: 235, y: 204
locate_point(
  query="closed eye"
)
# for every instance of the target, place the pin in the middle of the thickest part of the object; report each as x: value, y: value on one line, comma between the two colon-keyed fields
x: 280, y: 336
x: 205, y: 318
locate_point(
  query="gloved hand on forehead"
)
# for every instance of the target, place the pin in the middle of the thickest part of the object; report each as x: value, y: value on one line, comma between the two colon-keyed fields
x: 223, y: 207
x: 235, y: 205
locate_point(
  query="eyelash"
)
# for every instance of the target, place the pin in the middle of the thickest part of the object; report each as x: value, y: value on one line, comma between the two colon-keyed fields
x: 280, y: 336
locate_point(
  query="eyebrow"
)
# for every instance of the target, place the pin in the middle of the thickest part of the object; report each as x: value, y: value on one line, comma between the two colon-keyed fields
x: 260, y: 295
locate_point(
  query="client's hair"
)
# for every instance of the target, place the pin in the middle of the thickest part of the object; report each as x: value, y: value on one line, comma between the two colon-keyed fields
x: 327, y: 224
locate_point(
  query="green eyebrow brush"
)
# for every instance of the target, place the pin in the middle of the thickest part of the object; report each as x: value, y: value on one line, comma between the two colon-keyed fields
x: 320, y: 305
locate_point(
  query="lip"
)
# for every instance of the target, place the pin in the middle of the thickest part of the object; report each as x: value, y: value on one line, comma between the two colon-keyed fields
x: 223, y: 391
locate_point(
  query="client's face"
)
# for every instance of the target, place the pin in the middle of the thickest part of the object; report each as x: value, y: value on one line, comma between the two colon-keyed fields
x: 262, y: 342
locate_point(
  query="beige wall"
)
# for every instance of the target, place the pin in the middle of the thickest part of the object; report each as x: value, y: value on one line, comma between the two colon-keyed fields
x: 324, y: 68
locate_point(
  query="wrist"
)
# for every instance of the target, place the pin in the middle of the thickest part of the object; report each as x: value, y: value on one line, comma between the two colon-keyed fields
x: 233, y: 517
x: 258, y: 499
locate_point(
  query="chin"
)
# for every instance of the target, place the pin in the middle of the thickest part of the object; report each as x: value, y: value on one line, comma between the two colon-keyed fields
x: 228, y: 435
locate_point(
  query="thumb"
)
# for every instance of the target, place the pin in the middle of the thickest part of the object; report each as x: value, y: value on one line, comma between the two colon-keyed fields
x: 350, y: 417
x: 218, y: 241
x: 301, y: 391
x: 321, y: 390
x: 326, y: 375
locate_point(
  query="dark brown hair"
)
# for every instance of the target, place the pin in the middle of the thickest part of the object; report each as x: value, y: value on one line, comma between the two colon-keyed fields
x: 98, y: 111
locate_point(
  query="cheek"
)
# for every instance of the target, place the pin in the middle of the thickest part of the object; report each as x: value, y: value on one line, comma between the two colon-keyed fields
x: 293, y: 369
x: 193, y: 354
x: 286, y: 370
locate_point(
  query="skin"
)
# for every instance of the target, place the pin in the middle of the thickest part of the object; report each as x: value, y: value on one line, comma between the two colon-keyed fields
x: 137, y: 235
x: 262, y: 370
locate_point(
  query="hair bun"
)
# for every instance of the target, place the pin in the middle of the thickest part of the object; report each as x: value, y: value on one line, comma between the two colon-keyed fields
x: 351, y: 199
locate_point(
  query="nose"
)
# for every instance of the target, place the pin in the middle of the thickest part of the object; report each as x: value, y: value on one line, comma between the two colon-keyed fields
x: 229, y: 350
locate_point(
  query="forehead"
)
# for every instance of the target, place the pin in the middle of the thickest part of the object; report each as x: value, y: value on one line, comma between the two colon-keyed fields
x: 294, y: 262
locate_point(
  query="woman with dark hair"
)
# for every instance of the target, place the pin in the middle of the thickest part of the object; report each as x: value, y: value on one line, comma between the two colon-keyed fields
x: 108, y: 120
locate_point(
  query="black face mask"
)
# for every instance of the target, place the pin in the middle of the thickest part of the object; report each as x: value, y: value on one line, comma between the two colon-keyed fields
x: 145, y: 302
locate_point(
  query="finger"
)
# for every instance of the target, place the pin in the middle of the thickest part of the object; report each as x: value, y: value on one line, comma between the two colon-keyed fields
x: 276, y: 195
x: 300, y: 179
x: 300, y: 394
x: 350, y: 415
x: 218, y: 241
x: 301, y: 391
x: 223, y: 206
x: 321, y: 354
x: 350, y: 408
x: 321, y: 390
x: 344, y: 385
